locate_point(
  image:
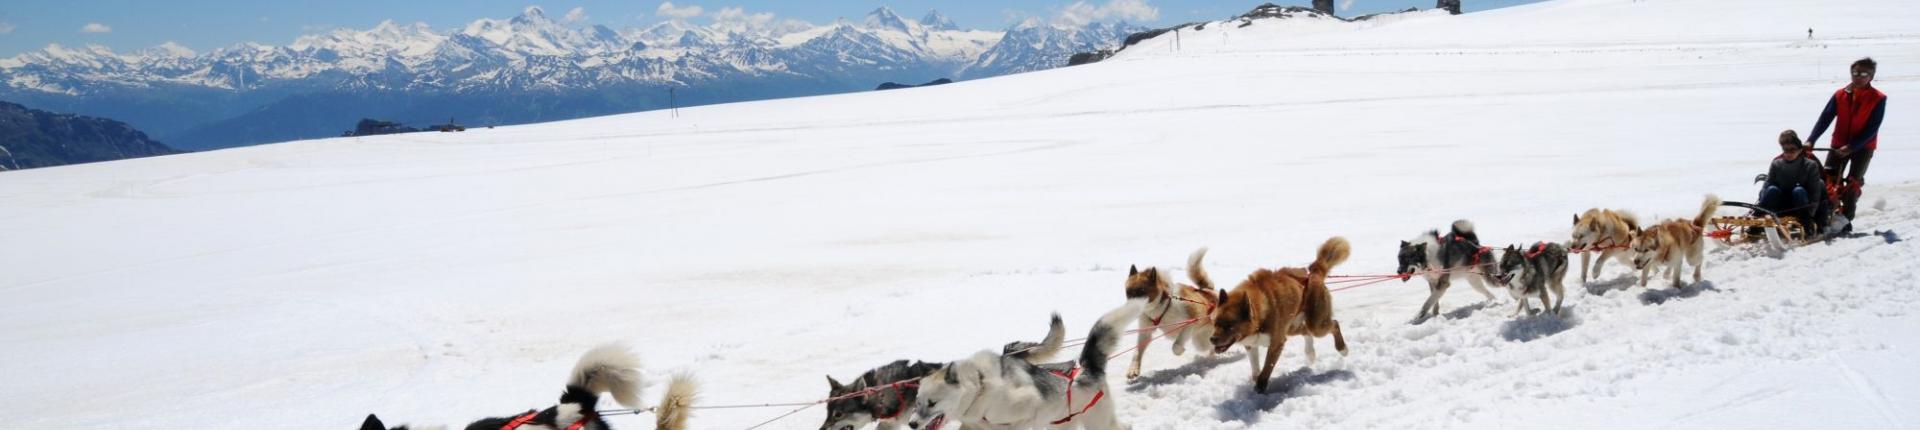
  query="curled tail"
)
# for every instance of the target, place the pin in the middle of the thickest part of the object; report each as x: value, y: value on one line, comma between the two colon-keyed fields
x: 612, y: 369
x: 1332, y: 253
x: 1198, y: 273
x: 1043, y: 351
x: 1102, y: 338
x: 1706, y: 211
x: 673, y: 411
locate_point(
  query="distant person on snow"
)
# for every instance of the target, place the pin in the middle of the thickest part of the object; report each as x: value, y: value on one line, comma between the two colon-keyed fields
x: 1855, y: 111
x: 1793, y: 184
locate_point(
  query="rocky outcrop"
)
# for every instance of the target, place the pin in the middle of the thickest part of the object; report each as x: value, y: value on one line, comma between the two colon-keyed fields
x: 1452, y: 6
x: 36, y: 138
x: 895, y: 85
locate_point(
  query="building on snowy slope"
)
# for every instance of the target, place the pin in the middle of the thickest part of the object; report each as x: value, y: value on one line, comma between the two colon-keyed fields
x: 32, y: 138
x: 374, y: 127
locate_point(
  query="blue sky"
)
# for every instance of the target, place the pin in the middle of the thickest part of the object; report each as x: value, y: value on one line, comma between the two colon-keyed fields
x: 127, y: 25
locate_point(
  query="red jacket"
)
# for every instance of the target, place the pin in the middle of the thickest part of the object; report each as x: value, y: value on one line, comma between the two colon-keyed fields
x: 1856, y: 117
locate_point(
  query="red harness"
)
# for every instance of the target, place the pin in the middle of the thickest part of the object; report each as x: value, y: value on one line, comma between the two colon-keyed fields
x: 902, y: 396
x: 1070, y: 377
x: 524, y: 419
x: 1537, y: 249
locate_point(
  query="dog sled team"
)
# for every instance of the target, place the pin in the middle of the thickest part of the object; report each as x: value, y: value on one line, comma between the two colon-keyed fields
x: 1020, y: 387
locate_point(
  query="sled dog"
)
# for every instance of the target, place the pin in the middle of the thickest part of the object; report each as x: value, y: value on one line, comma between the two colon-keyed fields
x: 1168, y: 306
x: 1538, y: 269
x: 1673, y: 242
x: 997, y: 391
x: 1606, y: 231
x: 609, y: 369
x: 1273, y: 304
x: 1441, y: 258
x: 889, y: 407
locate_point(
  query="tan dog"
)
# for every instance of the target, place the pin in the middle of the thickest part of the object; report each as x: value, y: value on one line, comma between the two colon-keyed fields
x: 1674, y: 241
x: 1274, y: 304
x: 1609, y: 230
x: 1168, y: 306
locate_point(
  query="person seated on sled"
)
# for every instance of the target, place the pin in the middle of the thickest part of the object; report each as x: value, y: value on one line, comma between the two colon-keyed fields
x: 1794, y: 185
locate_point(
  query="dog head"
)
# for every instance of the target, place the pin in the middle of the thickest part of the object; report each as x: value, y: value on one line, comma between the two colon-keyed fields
x: 1233, y: 319
x: 848, y: 413
x: 946, y: 394
x: 1512, y: 261
x: 1413, y: 258
x: 1146, y: 284
x: 1645, y: 246
x: 1583, y: 232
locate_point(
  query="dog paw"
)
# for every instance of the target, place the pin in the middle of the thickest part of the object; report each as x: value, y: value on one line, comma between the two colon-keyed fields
x: 1179, y: 349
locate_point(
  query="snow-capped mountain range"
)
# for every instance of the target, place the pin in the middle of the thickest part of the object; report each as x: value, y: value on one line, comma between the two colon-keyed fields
x: 530, y: 55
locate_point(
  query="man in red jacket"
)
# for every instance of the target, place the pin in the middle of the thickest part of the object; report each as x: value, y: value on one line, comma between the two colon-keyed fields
x: 1855, y: 111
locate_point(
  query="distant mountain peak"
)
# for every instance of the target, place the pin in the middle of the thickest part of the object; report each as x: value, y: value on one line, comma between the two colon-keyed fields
x: 885, y: 18
x: 937, y: 21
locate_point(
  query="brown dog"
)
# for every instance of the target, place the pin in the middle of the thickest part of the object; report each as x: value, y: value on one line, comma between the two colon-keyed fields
x: 1608, y: 231
x: 1169, y: 305
x: 1274, y: 304
x: 1673, y: 242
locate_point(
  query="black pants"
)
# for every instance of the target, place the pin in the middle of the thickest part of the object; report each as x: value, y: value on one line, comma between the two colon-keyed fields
x: 1856, y: 177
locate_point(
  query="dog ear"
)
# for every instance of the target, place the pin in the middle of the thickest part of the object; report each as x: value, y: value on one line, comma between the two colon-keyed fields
x: 373, y: 423
x: 1404, y: 244
x: 948, y: 376
x: 1132, y: 270
x: 1223, y: 298
x: 1153, y: 275
x: 834, y: 384
x: 1576, y: 219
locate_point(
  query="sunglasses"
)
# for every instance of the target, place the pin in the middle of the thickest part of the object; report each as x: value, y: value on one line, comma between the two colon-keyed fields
x: 1862, y: 74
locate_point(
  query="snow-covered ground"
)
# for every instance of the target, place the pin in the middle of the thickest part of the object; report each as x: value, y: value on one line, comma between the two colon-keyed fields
x: 437, y: 278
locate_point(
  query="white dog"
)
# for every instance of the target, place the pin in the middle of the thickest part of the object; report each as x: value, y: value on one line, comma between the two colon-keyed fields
x: 989, y: 390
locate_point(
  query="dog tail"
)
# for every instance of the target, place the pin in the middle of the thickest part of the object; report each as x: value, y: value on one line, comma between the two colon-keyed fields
x: 612, y: 369
x: 1464, y: 229
x: 1332, y: 253
x: 1198, y: 273
x: 1706, y: 211
x: 1043, y: 351
x: 674, y: 407
x: 1102, y: 339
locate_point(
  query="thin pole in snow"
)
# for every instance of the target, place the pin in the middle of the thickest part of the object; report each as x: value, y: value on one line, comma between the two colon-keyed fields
x: 10, y: 160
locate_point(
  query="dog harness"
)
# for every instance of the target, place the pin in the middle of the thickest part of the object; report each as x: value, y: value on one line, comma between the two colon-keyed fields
x: 902, y: 396
x: 1537, y: 249
x: 1070, y: 376
x: 524, y: 419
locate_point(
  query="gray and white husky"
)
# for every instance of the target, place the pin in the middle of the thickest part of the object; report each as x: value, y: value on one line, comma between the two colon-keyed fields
x: 609, y: 369
x: 890, y: 404
x: 1539, y: 269
x: 994, y: 391
x: 1458, y: 253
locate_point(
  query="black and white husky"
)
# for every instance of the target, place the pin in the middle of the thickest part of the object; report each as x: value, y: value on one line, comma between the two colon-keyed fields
x: 1456, y: 254
x: 891, y: 402
x: 995, y: 391
x: 1539, y: 269
x: 609, y: 369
